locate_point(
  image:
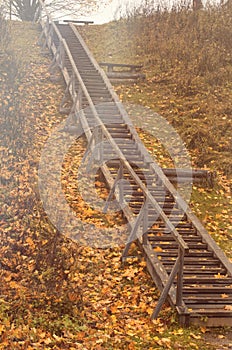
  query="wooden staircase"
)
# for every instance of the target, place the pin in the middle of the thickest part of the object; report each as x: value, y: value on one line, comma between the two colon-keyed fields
x: 184, y: 261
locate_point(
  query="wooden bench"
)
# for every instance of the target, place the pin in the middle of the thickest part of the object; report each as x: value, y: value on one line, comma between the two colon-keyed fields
x: 120, y: 71
x: 201, y: 176
x: 78, y: 22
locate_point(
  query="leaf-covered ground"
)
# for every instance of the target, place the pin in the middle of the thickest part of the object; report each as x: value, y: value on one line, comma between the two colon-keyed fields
x: 54, y: 293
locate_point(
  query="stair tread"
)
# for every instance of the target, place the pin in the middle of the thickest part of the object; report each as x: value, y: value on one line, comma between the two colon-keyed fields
x: 201, y: 265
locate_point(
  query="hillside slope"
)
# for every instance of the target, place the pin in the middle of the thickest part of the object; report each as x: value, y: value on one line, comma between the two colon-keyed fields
x: 55, y: 294
x: 187, y: 58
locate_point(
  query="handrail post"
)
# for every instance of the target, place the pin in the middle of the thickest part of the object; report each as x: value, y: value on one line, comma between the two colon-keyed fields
x: 133, y: 236
x: 166, y: 289
x: 100, y: 150
x: 65, y: 98
x: 119, y: 176
x: 145, y: 222
x: 177, y: 270
x: 89, y: 146
x: 121, y: 171
x: 50, y: 36
x: 73, y: 84
x: 62, y: 55
x: 179, y: 286
x: 46, y: 31
x: 79, y: 98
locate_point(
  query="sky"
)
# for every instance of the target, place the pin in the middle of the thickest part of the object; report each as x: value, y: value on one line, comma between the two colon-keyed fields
x: 109, y: 13
x: 104, y: 14
x: 118, y: 7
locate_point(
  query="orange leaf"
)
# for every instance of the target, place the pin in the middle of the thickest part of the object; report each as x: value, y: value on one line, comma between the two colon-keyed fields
x: 224, y: 296
x: 228, y: 307
x: 158, y: 249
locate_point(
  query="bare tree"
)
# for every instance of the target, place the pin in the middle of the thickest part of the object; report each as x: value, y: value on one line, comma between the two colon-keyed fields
x: 226, y: 3
x: 4, y: 30
x: 197, y: 5
x: 23, y: 9
x: 26, y: 10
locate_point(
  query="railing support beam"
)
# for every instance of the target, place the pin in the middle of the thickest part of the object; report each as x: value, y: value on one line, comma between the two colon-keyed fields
x: 166, y: 289
x: 134, y: 232
x: 119, y: 176
x: 179, y: 287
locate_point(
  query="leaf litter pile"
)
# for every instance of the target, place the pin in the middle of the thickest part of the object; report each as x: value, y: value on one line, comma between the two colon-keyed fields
x: 55, y: 293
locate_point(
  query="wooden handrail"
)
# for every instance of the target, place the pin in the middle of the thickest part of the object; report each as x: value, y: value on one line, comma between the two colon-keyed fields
x: 119, y: 153
x: 110, y: 64
x: 177, y: 270
x: 127, y: 165
x: 78, y: 21
x: 183, y: 247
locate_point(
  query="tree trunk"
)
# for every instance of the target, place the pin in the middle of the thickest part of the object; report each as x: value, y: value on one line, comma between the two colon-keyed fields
x: 25, y: 9
x: 197, y: 5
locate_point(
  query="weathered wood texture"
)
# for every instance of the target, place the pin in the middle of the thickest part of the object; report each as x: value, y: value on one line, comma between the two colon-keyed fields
x: 204, y: 177
x: 78, y: 22
x: 120, y: 71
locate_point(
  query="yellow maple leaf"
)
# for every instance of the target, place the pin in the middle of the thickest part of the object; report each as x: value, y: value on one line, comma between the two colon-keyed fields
x: 158, y: 249
x: 219, y: 276
x: 15, y: 285
x: 228, y: 307
x: 8, y: 278
x: 203, y: 330
x: 2, y: 329
x: 224, y: 296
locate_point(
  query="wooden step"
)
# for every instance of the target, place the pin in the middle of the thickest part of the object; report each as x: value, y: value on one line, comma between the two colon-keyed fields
x: 206, y: 289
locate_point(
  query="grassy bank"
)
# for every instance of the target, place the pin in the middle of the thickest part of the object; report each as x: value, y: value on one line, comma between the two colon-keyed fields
x: 54, y: 293
x: 187, y: 58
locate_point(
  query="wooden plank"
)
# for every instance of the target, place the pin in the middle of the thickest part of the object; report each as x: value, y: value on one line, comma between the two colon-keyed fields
x: 120, y: 65
x: 77, y: 21
x: 119, y: 76
x: 187, y: 172
x: 211, y: 321
x: 130, y: 73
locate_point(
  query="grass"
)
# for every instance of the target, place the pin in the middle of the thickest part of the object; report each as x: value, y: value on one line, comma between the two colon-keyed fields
x: 213, y: 207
